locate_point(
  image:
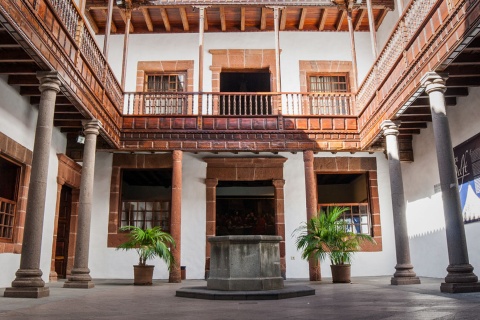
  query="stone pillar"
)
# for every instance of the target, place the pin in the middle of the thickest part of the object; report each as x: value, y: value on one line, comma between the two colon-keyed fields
x: 460, y: 277
x: 28, y: 282
x: 280, y: 221
x: 176, y: 216
x: 404, y: 273
x: 211, y: 213
x: 80, y: 276
x: 311, y: 200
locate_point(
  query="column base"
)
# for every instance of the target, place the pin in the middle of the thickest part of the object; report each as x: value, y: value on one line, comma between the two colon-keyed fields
x: 26, y: 292
x: 460, y: 287
x: 28, y: 283
x: 396, y: 281
x: 79, y: 279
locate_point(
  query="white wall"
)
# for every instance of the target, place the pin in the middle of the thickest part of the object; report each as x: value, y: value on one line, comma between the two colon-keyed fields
x: 294, y: 46
x: 108, y: 263
x: 18, y: 121
x: 425, y: 217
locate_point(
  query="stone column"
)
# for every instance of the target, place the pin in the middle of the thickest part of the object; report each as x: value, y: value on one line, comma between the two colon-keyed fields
x: 404, y: 273
x: 311, y: 200
x: 80, y: 277
x: 278, y: 185
x: 176, y: 216
x: 211, y: 195
x: 460, y: 277
x: 28, y: 282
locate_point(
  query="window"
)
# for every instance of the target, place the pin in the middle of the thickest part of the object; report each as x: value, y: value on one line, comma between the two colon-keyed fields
x: 10, y: 173
x: 165, y: 97
x: 146, y: 196
x: 165, y: 82
x: 328, y: 83
x: 350, y: 191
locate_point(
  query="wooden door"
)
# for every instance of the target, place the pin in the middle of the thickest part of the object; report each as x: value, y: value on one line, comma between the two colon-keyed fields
x: 63, y: 232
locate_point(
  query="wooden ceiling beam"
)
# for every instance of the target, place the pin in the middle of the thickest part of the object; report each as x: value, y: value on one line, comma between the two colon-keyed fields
x: 67, y: 109
x: 23, y: 80
x: 166, y: 21
x: 68, y: 124
x: 113, y: 27
x: 382, y: 14
x: 283, y: 19
x: 183, y: 15
x: 469, y: 70
x: 59, y: 100
x: 410, y: 119
x: 18, y: 68
x: 463, y: 82
x: 419, y: 125
x: 342, y: 14
x: 408, y: 131
x: 425, y: 102
x: 467, y: 59
x: 69, y: 116
x: 223, y: 23
x: 242, y: 18
x: 205, y: 18
x: 358, y: 20
x: 323, y: 18
x: 14, y: 55
x: 263, y: 19
x: 148, y: 19
x: 91, y: 21
x: 418, y: 111
x: 124, y: 18
x: 301, y: 22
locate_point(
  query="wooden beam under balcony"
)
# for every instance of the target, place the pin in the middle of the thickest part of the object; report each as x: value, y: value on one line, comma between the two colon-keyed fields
x: 60, y: 100
x: 148, y: 19
x: 378, y: 21
x: 65, y: 109
x: 463, y: 82
x: 165, y: 19
x: 425, y: 102
x: 113, y: 27
x: 358, y: 20
x: 91, y: 21
x: 23, y: 80
x: 263, y: 19
x: 408, y: 131
x: 410, y: 119
x: 18, y: 68
x: 468, y: 70
x: 322, y: 20
x: 69, y: 116
x: 14, y: 55
x: 419, y: 125
x: 301, y: 22
x: 183, y: 15
x: 468, y: 59
x: 418, y: 111
x: 342, y: 14
x: 124, y: 18
x: 283, y: 19
x: 68, y: 124
x: 223, y: 23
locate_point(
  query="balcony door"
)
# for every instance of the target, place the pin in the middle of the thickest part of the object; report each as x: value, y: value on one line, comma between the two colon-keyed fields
x: 245, y: 92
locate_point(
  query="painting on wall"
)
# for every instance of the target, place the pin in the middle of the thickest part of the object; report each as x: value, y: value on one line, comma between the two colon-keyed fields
x: 467, y: 163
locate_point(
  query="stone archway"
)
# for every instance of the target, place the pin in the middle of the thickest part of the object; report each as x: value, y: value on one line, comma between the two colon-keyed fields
x: 245, y: 169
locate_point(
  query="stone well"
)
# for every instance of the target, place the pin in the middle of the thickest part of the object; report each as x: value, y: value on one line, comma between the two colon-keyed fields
x: 245, y: 263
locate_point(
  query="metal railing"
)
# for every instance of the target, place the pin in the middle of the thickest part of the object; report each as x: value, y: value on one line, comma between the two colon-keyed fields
x: 7, y: 218
x: 357, y: 216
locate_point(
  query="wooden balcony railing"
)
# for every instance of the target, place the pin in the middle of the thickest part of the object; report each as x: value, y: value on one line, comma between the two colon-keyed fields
x: 7, y: 218
x: 237, y: 103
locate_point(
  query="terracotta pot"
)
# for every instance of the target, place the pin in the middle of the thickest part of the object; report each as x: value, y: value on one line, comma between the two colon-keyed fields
x: 142, y: 275
x: 340, y: 273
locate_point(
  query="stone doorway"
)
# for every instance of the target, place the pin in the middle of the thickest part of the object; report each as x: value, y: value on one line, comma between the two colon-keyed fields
x: 221, y: 171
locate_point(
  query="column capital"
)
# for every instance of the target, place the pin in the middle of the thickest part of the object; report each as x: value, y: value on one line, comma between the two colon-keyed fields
x: 211, y: 183
x: 91, y: 126
x: 49, y: 80
x: 308, y: 156
x: 200, y: 7
x: 177, y: 155
x: 278, y: 183
x: 433, y: 81
x: 390, y: 127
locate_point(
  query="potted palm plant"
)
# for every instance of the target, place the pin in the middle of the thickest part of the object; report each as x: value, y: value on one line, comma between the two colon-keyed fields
x: 327, y: 235
x: 149, y: 243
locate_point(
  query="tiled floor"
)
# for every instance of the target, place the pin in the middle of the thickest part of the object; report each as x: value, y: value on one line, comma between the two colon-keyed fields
x: 365, y: 298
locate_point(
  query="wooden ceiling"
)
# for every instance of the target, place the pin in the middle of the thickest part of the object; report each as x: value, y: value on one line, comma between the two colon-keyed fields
x: 175, y: 19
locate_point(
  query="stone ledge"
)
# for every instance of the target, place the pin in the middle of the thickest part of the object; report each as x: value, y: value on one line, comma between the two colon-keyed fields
x: 285, y: 293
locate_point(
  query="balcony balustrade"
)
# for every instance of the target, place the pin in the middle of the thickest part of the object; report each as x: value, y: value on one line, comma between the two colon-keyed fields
x: 238, y: 103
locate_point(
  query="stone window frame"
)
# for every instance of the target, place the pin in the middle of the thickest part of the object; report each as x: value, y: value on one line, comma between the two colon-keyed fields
x: 145, y: 68
x: 325, y: 67
x: 348, y: 165
x: 330, y: 74
x: 21, y: 156
x: 128, y: 161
